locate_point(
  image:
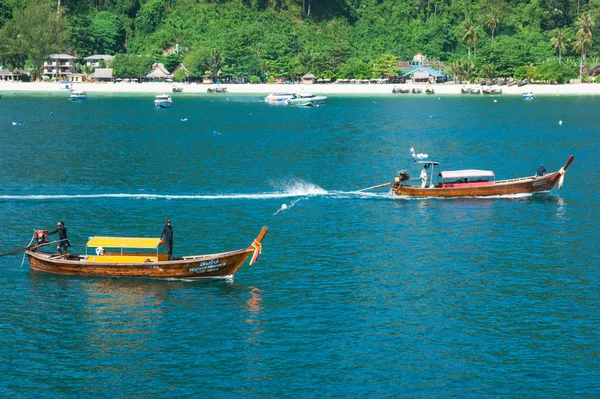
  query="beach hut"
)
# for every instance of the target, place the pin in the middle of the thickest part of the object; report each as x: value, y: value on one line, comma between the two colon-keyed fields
x: 309, y: 79
x: 183, y: 68
x: 159, y: 72
x: 102, y: 75
x: 425, y: 75
x: 6, y: 74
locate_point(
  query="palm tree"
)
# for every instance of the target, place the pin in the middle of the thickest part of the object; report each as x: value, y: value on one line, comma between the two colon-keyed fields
x: 493, y: 20
x: 215, y: 63
x: 475, y: 40
x: 558, y: 41
x: 469, y: 36
x: 580, y: 46
x: 584, y: 38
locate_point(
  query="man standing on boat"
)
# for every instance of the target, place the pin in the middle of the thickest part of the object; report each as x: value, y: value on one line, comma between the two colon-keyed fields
x: 63, y: 241
x: 167, y: 234
x: 541, y: 171
x: 424, y: 176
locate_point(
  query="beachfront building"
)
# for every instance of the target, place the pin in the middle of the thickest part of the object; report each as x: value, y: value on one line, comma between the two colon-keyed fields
x: 102, y: 75
x: 424, y: 75
x: 182, y: 67
x: 58, y: 66
x: 75, y: 77
x: 419, y: 59
x: 159, y: 72
x: 15, y: 75
x: 309, y: 79
x: 95, y: 61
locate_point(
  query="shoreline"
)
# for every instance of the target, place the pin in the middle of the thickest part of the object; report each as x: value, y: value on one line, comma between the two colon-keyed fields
x: 264, y: 89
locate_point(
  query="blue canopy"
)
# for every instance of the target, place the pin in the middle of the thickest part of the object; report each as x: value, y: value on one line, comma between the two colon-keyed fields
x: 428, y: 70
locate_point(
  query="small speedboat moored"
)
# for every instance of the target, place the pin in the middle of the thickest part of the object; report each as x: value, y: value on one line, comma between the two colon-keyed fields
x: 78, y: 95
x: 528, y: 95
x: 163, y: 101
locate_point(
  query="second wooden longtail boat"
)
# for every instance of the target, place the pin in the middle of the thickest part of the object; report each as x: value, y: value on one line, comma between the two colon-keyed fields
x: 139, y: 257
x: 475, y: 183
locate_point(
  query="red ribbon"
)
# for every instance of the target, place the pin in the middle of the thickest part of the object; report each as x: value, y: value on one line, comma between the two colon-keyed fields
x: 257, y: 251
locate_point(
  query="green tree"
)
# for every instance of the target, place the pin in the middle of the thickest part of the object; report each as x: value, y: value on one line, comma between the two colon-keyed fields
x: 11, y: 51
x: 215, y: 63
x: 131, y: 66
x: 558, y: 41
x: 180, y: 75
x: 385, y: 65
x: 584, y: 38
x: 41, y: 32
x: 107, y: 33
x: 469, y: 36
x: 149, y: 16
x: 196, y: 62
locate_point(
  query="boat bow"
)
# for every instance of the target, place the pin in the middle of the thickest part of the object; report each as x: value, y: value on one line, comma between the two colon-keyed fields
x: 563, y: 170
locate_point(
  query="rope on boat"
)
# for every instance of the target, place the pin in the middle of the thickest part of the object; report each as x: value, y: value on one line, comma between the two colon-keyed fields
x: 28, y: 245
x: 36, y: 246
x: 16, y: 251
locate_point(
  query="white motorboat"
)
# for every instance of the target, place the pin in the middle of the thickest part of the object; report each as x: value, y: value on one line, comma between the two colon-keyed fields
x: 528, y: 95
x: 305, y: 100
x: 278, y: 98
x: 163, y: 101
x: 78, y: 95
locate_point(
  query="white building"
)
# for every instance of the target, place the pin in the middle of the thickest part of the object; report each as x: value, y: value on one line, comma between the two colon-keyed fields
x: 59, y: 66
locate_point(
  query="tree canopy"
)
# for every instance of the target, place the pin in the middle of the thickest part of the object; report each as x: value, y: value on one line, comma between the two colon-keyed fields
x: 288, y: 38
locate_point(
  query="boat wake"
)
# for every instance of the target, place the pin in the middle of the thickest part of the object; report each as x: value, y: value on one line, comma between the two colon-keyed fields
x: 283, y: 190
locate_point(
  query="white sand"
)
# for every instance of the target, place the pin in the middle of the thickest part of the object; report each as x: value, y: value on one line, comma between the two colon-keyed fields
x: 264, y: 89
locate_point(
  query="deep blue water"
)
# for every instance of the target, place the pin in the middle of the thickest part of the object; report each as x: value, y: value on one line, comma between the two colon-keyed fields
x: 355, y: 295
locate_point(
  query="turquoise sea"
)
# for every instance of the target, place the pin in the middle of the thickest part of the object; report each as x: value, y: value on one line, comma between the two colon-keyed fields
x: 356, y: 295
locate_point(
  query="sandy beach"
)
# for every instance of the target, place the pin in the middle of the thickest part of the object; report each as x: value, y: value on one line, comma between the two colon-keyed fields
x: 338, y: 89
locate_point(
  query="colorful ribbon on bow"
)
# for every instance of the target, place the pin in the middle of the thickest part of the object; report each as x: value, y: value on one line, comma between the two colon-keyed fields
x: 257, y: 251
x: 562, y: 172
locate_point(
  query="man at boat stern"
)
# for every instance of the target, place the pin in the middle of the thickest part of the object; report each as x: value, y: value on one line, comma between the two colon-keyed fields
x: 167, y: 234
x: 63, y: 241
x: 424, y: 176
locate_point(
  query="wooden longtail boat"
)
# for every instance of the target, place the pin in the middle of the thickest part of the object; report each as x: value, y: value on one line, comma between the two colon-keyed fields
x: 128, y: 261
x: 476, y: 183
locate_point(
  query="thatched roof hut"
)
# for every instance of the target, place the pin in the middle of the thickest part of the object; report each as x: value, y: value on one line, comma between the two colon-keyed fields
x: 159, y: 72
x: 309, y: 79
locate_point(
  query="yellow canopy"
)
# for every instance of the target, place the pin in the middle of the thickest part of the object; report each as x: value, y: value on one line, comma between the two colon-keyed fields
x: 123, y: 242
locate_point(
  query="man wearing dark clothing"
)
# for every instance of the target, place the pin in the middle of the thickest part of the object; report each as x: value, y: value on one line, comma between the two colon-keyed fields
x: 167, y: 234
x: 63, y: 241
x: 541, y: 171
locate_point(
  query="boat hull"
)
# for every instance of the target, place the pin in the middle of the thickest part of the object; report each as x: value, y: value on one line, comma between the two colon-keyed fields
x: 162, y: 104
x: 201, y: 267
x: 526, y: 185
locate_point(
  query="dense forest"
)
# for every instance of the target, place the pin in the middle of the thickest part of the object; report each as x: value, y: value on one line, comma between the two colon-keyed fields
x: 549, y: 40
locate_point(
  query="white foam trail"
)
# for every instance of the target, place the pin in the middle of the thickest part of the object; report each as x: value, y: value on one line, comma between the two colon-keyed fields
x: 285, y: 207
x: 295, y: 189
x: 298, y: 188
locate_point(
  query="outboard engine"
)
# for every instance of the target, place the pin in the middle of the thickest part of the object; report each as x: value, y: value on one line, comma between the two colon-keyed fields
x: 403, y: 176
x: 40, y: 236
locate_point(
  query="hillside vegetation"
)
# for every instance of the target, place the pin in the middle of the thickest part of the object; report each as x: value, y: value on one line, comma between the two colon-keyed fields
x: 263, y: 39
